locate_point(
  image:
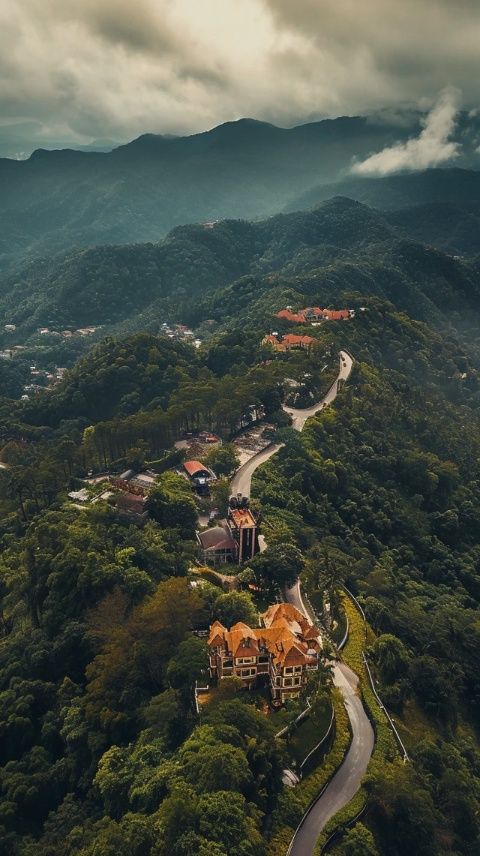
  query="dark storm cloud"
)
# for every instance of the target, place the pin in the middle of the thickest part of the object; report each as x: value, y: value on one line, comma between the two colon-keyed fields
x: 116, y: 67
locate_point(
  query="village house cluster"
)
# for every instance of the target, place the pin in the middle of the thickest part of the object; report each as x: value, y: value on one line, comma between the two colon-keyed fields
x: 280, y: 653
x: 67, y: 334
x: 180, y: 331
x: 313, y: 315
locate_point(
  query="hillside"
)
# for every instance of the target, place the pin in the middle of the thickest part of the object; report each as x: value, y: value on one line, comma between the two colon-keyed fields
x: 454, y: 228
x: 98, y: 662
x: 437, y: 206
x: 199, y: 273
x: 461, y: 186
x: 138, y: 192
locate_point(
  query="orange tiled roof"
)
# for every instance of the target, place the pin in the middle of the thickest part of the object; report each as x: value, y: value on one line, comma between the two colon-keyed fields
x: 271, y: 339
x: 294, y: 339
x: 217, y: 631
x: 300, y: 317
x: 336, y: 314
x: 194, y: 467
x: 287, y: 635
x: 288, y: 315
x: 285, y: 610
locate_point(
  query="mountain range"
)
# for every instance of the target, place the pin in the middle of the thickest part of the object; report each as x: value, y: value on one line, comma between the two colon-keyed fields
x: 56, y: 200
x: 219, y: 271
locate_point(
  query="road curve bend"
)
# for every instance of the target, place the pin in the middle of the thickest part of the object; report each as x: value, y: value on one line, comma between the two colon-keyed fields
x: 299, y: 417
x: 242, y: 480
x: 347, y: 780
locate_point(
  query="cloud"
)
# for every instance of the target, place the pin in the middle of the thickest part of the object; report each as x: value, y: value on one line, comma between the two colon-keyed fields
x: 97, y: 68
x: 431, y: 148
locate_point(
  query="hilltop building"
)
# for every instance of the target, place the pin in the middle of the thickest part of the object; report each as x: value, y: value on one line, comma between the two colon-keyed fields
x: 200, y: 476
x: 314, y: 313
x: 289, y: 342
x: 279, y: 653
x: 234, y: 539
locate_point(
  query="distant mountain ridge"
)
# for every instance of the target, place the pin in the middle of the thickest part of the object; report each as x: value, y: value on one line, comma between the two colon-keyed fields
x: 138, y: 192
x: 454, y: 184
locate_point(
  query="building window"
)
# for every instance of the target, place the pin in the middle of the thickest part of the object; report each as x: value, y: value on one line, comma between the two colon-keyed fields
x: 240, y: 661
x: 296, y: 681
x: 297, y: 669
x: 227, y: 664
x: 287, y: 682
x: 288, y: 670
x: 263, y: 659
x: 247, y: 673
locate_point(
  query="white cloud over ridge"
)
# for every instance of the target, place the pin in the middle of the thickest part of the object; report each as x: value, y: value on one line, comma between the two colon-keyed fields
x: 116, y: 68
x: 432, y: 147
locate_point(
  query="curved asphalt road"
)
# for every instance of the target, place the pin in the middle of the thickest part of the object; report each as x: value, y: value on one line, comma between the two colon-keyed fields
x: 242, y: 480
x: 299, y: 417
x: 346, y: 781
x: 348, y: 778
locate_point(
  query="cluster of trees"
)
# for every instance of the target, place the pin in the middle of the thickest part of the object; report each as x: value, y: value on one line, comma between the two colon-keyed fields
x: 102, y: 748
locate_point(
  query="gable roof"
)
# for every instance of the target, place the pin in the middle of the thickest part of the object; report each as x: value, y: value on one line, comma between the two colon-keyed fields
x: 287, y: 635
x: 293, y: 339
x: 193, y: 468
x: 216, y: 538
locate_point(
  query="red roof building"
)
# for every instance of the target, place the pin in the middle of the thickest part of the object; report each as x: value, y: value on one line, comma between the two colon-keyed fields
x: 289, y: 341
x: 217, y: 545
x: 281, y: 651
x: 314, y: 313
x: 196, y: 469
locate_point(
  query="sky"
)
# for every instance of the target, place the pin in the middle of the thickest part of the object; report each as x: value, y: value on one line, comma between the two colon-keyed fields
x: 82, y: 70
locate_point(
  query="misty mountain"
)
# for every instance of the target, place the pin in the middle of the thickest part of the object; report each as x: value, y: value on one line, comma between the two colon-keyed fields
x: 138, y: 192
x: 233, y: 267
x: 440, y: 207
x: 454, y: 185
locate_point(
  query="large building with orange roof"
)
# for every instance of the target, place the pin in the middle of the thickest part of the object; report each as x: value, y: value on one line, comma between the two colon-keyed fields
x: 289, y: 341
x: 314, y: 313
x: 280, y: 652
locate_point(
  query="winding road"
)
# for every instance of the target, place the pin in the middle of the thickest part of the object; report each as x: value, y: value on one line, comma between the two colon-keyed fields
x: 346, y: 781
x: 348, y: 778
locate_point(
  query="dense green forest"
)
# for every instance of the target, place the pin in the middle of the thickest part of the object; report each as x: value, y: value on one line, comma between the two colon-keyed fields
x: 199, y: 274
x: 103, y: 749
x: 62, y: 199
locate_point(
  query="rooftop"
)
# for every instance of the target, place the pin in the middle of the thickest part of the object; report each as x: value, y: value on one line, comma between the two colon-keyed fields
x: 216, y: 538
x: 242, y: 517
x: 286, y: 634
x: 194, y: 467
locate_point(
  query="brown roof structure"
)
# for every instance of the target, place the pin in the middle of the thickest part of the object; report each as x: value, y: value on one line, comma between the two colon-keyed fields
x: 303, y: 341
x: 194, y: 468
x: 216, y: 538
x: 311, y: 313
x: 286, y: 634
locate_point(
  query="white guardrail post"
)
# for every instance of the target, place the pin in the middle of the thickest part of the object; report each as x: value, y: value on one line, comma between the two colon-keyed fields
x: 372, y: 684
